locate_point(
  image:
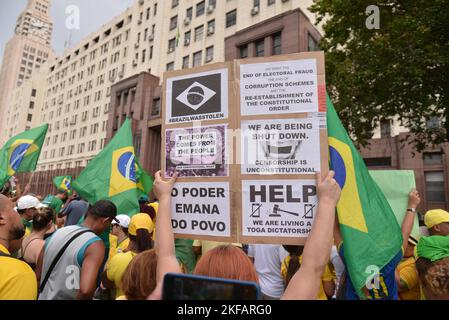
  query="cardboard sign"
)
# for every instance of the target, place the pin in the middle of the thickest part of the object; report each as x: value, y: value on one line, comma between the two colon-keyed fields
x: 278, y: 208
x: 279, y: 87
x: 246, y: 138
x: 201, y: 209
x: 196, y: 152
x: 281, y: 146
x: 197, y: 97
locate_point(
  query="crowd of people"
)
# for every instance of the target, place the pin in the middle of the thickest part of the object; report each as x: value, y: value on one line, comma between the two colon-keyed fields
x: 60, y: 247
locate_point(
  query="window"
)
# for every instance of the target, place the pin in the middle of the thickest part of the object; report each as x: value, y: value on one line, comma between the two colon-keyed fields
x: 31, y: 104
x: 170, y: 66
x: 189, y: 13
x: 200, y: 8
x: 199, y: 31
x: 197, y: 59
x: 209, y: 54
x: 231, y: 18
x: 212, y: 3
x: 173, y: 22
x: 385, y: 128
x: 210, y: 27
x: 151, y: 52
x: 312, y: 44
x: 244, y: 51
x: 277, y: 44
x: 260, y: 48
x: 433, y: 122
x: 185, y: 62
x: 155, y: 9
x: 435, y: 186
x: 148, y: 14
x: 33, y: 92
x: 270, y: 2
x: 256, y: 3
x: 156, y: 110
x: 29, y: 117
x: 187, y: 36
x: 143, y: 55
x: 174, y: 3
x: 171, y: 45
x: 432, y: 158
x: 378, y: 162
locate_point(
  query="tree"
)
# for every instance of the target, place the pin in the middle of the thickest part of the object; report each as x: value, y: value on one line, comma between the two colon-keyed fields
x: 400, y: 69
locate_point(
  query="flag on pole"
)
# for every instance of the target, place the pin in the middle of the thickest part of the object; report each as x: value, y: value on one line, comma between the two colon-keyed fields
x: 21, y: 153
x: 112, y: 174
x: 371, y: 234
x: 63, y: 183
x: 144, y: 181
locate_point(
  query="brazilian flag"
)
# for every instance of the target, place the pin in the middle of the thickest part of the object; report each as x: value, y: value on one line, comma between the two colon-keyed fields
x: 371, y: 234
x: 21, y: 153
x: 144, y: 181
x: 63, y: 183
x: 111, y: 174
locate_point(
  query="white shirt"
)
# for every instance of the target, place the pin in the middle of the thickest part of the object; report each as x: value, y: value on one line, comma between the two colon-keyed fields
x: 267, y: 261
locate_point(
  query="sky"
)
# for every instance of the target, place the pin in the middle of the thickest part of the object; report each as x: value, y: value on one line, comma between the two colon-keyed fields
x: 93, y: 14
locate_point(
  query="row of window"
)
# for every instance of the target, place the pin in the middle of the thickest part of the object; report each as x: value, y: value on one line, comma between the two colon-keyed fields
x: 63, y: 151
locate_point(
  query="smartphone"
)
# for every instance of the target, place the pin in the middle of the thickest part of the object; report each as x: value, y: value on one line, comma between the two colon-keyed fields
x: 192, y: 287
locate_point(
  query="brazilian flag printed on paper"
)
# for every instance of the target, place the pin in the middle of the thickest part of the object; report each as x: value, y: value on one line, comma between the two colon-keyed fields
x: 371, y: 234
x: 63, y: 183
x: 112, y: 174
x: 21, y: 153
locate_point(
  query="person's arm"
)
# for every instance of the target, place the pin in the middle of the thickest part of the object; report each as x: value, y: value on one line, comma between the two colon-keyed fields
x: 165, y: 240
x: 93, y: 260
x: 39, y: 263
x: 402, y: 286
x: 305, y: 284
x: 409, y: 219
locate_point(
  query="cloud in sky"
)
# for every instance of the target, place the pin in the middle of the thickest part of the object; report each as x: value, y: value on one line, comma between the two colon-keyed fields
x: 93, y: 14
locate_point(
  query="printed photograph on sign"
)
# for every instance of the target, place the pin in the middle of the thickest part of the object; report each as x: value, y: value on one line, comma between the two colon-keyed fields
x: 196, y: 152
x: 283, y: 146
x: 279, y: 87
x: 197, y: 97
x: 201, y: 208
x: 278, y: 208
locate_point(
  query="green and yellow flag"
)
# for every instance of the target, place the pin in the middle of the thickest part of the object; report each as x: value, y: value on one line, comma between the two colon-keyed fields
x: 63, y: 183
x: 21, y: 153
x: 112, y: 174
x: 144, y: 181
x: 371, y: 234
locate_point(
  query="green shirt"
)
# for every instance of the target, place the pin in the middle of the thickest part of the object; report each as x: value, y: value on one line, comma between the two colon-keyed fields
x: 53, y: 202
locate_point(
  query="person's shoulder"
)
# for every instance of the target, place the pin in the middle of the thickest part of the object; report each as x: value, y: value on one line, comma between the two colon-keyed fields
x: 16, y: 267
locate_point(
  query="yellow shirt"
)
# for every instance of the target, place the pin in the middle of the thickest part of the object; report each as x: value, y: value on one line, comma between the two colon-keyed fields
x: 17, y: 279
x: 409, y: 275
x: 327, y: 276
x: 209, y: 245
x: 116, y: 268
x: 116, y: 247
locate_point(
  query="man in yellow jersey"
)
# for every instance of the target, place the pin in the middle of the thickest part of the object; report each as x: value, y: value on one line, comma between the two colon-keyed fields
x: 407, y: 275
x: 17, y: 280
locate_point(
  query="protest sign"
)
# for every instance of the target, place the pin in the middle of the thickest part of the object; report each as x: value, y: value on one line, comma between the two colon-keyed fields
x: 396, y: 185
x: 278, y: 208
x: 201, y: 208
x: 289, y: 86
x: 197, y: 151
x: 281, y: 146
x: 197, y: 97
x: 254, y: 125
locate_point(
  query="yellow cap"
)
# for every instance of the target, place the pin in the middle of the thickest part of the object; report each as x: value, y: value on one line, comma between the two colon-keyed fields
x: 140, y: 221
x: 155, y: 206
x: 434, y: 217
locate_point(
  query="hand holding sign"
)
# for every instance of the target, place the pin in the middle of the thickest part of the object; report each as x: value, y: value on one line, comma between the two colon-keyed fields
x: 161, y: 188
x: 328, y: 189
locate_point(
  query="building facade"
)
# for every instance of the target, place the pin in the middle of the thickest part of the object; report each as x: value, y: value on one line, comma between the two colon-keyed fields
x: 24, y: 53
x: 151, y: 36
